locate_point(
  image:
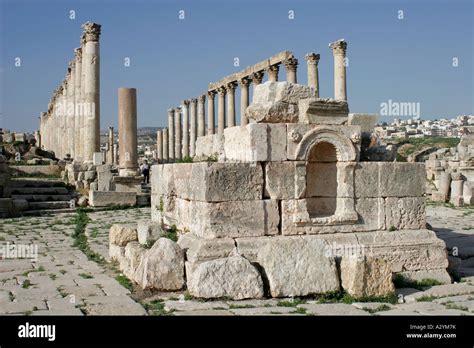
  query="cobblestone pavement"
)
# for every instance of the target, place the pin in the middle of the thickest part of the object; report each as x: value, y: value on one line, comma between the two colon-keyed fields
x: 64, y: 281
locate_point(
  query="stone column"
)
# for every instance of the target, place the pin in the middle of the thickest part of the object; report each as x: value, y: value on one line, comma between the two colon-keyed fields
x: 127, y: 110
x: 84, y: 108
x: 185, y: 106
x: 312, y: 60
x: 62, y: 142
x: 210, y: 112
x: 457, y: 184
x: 37, y: 135
x: 77, y: 105
x: 193, y: 128
x: 177, y: 143
x: 115, y: 153
x: 159, y: 146
x: 339, y: 51
x: 230, y: 89
x: 201, y: 120
x: 244, y: 100
x: 272, y: 71
x: 91, y: 55
x: 221, y: 110
x: 71, y: 132
x: 111, y: 146
x: 171, y: 135
x: 291, y: 64
x: 165, y: 145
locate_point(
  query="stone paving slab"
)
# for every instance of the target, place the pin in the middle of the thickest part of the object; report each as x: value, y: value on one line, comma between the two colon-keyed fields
x: 332, y: 309
x: 194, y: 305
x: 211, y: 312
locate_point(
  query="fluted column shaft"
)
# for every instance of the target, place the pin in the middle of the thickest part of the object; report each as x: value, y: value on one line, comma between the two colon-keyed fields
x: 193, y: 127
x: 221, y: 111
x: 291, y: 65
x: 177, y: 129
x: 185, y: 104
x: 159, y: 146
x: 171, y: 135
x: 231, y: 104
x: 244, y: 100
x: 210, y: 112
x: 77, y: 105
x: 165, y: 145
x: 111, y: 146
x: 201, y: 120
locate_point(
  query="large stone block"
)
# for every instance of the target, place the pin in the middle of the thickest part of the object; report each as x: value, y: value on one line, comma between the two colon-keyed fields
x: 162, y: 267
x: 218, y: 182
x: 134, y: 252
x: 162, y: 179
x: 200, y: 250
x: 402, y: 179
x: 277, y: 102
x: 405, y: 213
x: 148, y: 231
x: 298, y: 267
x: 106, y: 198
x: 366, y: 122
x: 389, y: 179
x: 366, y: 276
x: 285, y: 180
x: 322, y: 111
x: 233, y: 277
x: 225, y: 219
x: 209, y: 147
x: 121, y: 235
x: 255, y: 143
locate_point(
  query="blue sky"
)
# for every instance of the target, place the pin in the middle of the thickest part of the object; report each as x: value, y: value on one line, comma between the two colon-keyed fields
x: 407, y: 60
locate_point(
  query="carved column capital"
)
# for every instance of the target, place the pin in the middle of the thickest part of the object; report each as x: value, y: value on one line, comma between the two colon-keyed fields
x: 244, y: 82
x: 202, y: 99
x: 91, y: 31
x: 211, y: 94
x: 339, y: 47
x: 273, y: 68
x: 230, y: 87
x: 221, y: 90
x: 312, y: 58
x: 291, y: 64
x: 193, y: 101
x: 185, y: 102
x: 257, y: 77
x: 78, y: 54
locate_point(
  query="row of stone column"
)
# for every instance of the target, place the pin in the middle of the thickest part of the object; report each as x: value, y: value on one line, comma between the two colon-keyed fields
x: 187, y: 122
x: 71, y: 126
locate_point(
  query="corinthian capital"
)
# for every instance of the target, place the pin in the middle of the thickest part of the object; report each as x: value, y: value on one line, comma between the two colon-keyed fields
x: 221, y: 90
x: 291, y: 63
x: 202, y: 99
x: 91, y: 31
x: 194, y: 102
x: 230, y: 87
x: 339, y: 46
x: 78, y: 54
x: 312, y: 58
x: 257, y: 77
x: 185, y: 102
x: 211, y: 94
x: 244, y: 82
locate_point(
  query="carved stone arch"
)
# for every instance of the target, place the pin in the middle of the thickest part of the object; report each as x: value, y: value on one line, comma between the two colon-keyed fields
x: 345, y: 149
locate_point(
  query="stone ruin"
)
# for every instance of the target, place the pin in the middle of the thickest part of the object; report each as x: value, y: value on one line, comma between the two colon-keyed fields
x: 450, y: 173
x: 281, y: 205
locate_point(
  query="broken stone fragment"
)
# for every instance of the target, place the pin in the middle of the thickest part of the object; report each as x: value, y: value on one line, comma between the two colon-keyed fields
x: 121, y: 234
x: 233, y: 277
x: 366, y: 276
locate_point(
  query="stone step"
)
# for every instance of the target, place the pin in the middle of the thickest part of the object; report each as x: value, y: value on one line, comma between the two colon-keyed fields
x: 43, y: 197
x: 36, y: 182
x: 39, y: 212
x: 48, y: 205
x: 39, y: 190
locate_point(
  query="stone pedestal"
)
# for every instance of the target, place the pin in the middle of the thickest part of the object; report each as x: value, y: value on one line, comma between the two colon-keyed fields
x: 456, y: 191
x: 127, y: 109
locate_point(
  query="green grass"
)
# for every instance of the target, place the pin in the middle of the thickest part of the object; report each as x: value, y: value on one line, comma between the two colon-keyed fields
x: 186, y: 159
x: 458, y: 307
x: 344, y: 297
x: 124, y: 281
x: 80, y: 240
x: 172, y: 233
x: 237, y: 306
x: 401, y: 282
x: 291, y: 303
x: 380, y: 308
x: 299, y: 310
x: 26, y: 284
x: 426, y: 298
x: 156, y: 307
